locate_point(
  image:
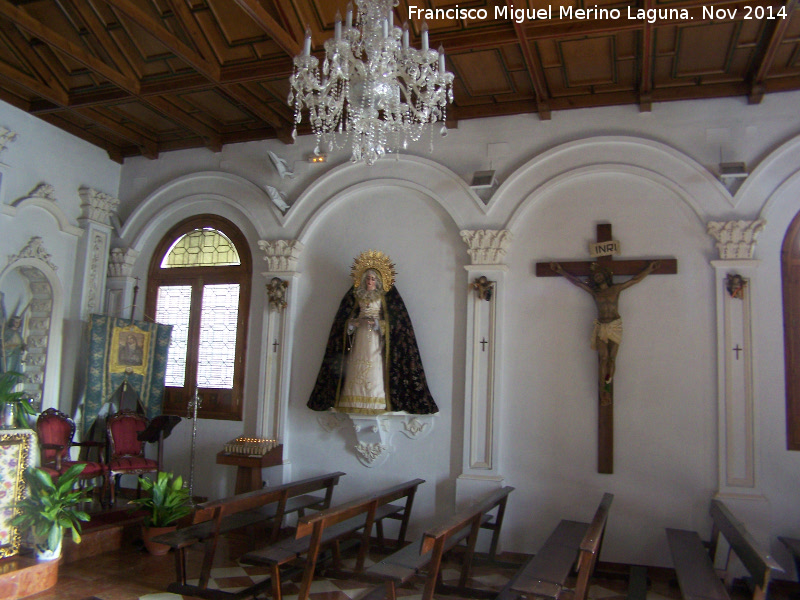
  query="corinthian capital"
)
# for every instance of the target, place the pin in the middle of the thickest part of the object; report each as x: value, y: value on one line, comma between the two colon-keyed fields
x: 121, y: 261
x: 735, y: 239
x: 281, y: 255
x: 97, y: 206
x: 487, y: 246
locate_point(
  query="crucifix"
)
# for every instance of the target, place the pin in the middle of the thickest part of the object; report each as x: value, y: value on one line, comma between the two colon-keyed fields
x: 607, y: 333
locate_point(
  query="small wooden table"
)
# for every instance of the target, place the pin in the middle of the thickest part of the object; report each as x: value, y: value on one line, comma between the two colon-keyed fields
x: 248, y: 467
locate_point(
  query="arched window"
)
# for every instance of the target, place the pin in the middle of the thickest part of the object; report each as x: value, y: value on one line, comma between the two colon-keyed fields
x: 199, y: 282
x: 790, y: 259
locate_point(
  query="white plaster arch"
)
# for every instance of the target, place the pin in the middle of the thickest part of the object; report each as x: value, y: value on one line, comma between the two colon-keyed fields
x: 48, y: 205
x: 442, y: 185
x: 689, y: 180
x: 241, y: 194
x: 604, y: 169
x: 55, y: 320
x: 764, y: 188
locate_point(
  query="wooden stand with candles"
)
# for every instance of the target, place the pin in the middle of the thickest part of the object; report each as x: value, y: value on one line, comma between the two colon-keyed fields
x: 248, y: 467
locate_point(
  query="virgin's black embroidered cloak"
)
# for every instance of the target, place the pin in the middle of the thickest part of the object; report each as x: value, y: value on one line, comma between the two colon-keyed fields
x: 405, y: 383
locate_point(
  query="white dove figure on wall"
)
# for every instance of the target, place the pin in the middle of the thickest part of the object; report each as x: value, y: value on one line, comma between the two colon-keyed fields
x: 280, y: 164
x: 277, y: 198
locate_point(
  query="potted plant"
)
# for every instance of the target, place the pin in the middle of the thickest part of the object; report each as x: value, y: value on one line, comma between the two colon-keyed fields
x: 166, y: 501
x: 50, y: 508
x: 15, y: 406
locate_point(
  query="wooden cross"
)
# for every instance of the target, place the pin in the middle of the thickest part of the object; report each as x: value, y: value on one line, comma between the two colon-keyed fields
x: 605, y: 436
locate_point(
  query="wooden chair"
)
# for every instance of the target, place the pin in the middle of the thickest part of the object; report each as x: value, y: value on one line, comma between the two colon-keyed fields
x: 56, y: 431
x: 126, y: 451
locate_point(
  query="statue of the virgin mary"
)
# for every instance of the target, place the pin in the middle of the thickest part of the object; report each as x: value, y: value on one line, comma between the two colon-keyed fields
x: 372, y: 363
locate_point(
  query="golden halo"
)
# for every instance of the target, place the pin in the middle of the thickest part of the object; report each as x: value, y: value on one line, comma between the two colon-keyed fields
x: 373, y: 259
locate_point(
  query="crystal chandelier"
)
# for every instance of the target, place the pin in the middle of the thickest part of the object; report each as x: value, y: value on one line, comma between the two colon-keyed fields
x: 372, y: 86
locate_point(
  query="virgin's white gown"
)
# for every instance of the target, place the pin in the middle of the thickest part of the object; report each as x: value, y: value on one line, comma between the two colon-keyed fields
x: 363, y: 388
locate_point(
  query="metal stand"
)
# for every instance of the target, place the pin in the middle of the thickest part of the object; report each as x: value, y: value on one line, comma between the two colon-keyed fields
x: 194, y: 404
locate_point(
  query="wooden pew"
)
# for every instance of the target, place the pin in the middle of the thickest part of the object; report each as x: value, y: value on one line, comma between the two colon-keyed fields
x: 571, y: 541
x: 329, y: 527
x: 426, y: 553
x: 214, y: 518
x: 694, y: 565
x: 793, y: 545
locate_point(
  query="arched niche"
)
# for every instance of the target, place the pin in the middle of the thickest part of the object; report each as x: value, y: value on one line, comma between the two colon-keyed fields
x: 31, y: 289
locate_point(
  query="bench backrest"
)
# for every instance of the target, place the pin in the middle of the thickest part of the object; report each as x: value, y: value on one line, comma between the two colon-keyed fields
x: 468, y: 516
x: 590, y: 546
x: 368, y: 504
x: 217, y: 509
x: 759, y: 564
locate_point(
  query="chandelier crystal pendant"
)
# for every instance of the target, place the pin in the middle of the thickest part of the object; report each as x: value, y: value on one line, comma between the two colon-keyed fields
x: 373, y: 87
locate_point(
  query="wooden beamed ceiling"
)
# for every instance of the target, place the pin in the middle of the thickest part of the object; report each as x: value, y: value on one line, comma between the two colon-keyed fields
x: 141, y: 77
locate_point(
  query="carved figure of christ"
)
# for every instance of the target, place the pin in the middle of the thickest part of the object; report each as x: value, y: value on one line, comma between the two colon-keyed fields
x: 607, y: 333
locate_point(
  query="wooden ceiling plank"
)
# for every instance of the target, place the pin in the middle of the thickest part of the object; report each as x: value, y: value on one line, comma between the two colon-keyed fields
x: 190, y: 24
x: 51, y: 38
x: 34, y: 86
x: 211, y: 138
x: 646, y: 71
x: 264, y: 20
x: 261, y: 110
x: 148, y: 146
x: 92, y: 21
x: 767, y: 58
x: 165, y: 37
x: 34, y: 60
x: 534, y: 71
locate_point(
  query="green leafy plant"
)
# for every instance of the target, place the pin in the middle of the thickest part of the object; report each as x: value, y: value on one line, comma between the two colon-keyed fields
x: 165, y: 499
x: 24, y: 407
x: 51, y: 508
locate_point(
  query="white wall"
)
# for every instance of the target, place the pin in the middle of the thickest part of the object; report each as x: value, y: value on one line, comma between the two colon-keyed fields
x: 652, y: 176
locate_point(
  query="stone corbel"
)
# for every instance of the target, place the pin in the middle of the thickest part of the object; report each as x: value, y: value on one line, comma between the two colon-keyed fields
x: 374, y: 433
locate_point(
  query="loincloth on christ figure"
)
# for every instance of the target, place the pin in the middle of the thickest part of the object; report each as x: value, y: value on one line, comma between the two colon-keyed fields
x: 607, y: 332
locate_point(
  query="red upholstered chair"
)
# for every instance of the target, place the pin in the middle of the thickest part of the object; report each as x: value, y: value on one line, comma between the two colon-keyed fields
x: 126, y: 451
x: 55, y: 431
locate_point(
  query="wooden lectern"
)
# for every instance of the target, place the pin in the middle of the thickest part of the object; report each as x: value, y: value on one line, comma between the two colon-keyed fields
x: 248, y: 467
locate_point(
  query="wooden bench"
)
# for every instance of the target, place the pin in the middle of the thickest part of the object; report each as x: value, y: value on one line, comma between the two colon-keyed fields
x: 570, y: 542
x: 793, y: 545
x: 694, y: 565
x: 405, y: 564
x: 328, y: 527
x: 267, y: 506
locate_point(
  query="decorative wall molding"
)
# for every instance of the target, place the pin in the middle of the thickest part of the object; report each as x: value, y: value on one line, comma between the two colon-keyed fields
x: 374, y: 433
x: 6, y: 136
x: 36, y: 250
x: 281, y: 255
x: 44, y: 190
x: 487, y: 246
x: 736, y: 240
x: 43, y: 196
x: 97, y: 206
x: 276, y: 292
x: 121, y: 262
x: 738, y: 454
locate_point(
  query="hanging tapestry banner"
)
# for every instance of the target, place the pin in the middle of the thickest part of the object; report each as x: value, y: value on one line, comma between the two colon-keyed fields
x: 124, y: 350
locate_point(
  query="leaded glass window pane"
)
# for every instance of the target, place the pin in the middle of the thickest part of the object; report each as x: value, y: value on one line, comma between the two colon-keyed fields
x: 174, y: 302
x: 218, y: 324
x: 205, y: 247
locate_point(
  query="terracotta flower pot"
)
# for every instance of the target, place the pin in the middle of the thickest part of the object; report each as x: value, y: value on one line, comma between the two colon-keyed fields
x: 151, y: 532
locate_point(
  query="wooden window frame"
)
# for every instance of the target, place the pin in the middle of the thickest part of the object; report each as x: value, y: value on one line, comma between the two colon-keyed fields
x: 790, y: 264
x: 216, y: 403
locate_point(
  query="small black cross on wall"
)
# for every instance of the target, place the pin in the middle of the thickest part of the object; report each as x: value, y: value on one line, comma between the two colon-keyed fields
x: 738, y: 349
x: 483, y: 343
x: 275, y: 345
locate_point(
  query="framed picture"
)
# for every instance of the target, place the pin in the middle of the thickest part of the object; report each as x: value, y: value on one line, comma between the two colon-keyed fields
x: 129, y: 349
x: 14, y: 452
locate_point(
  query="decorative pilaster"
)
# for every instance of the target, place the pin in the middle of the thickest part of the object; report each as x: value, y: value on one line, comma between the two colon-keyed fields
x: 281, y: 276
x: 735, y: 278
x: 484, y: 289
x: 120, y: 283
x: 95, y: 219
